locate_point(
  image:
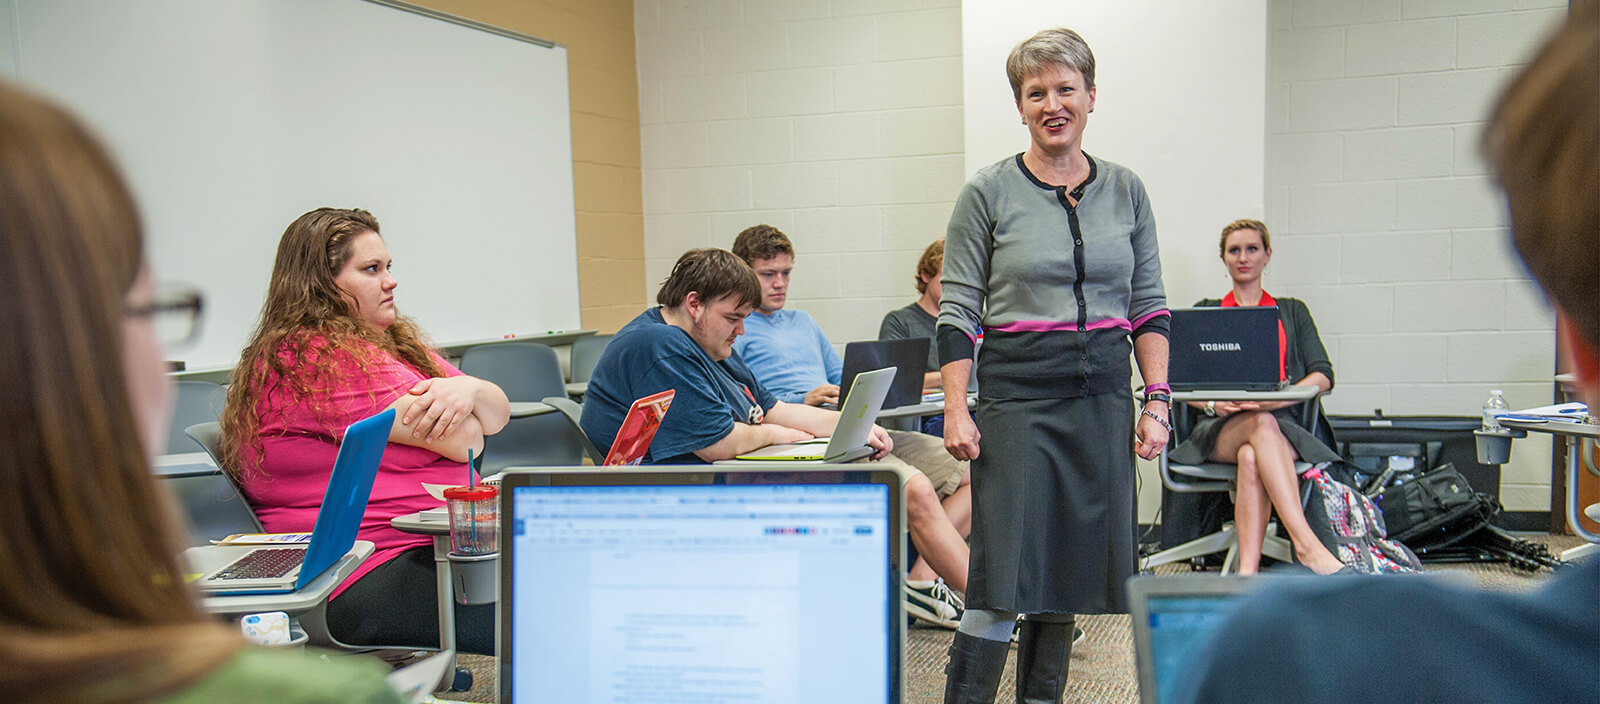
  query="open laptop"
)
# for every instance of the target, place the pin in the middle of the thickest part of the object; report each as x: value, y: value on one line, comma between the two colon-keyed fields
x: 909, y: 356
x: 695, y: 584
x: 1173, y: 615
x: 849, y: 439
x: 1224, y: 349
x: 240, y: 569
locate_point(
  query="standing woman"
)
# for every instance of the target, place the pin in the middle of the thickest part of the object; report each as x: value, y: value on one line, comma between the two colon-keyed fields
x: 94, y: 606
x: 1053, y: 253
x: 1265, y: 439
x: 331, y: 349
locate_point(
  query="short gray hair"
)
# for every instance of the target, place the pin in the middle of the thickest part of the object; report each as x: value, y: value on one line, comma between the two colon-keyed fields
x: 1059, y: 46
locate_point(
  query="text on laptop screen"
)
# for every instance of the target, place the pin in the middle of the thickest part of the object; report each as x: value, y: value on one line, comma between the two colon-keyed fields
x: 719, y: 593
x: 1179, y: 626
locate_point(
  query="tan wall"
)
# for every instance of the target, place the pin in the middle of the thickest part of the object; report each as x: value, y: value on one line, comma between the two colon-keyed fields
x: 604, y: 82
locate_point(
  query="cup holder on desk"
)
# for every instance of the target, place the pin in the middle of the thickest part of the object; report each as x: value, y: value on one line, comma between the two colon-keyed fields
x: 476, y: 578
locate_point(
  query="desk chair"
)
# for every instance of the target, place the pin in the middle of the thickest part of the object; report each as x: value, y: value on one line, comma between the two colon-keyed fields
x: 197, y: 402
x: 526, y: 371
x: 586, y: 353
x: 1217, y: 477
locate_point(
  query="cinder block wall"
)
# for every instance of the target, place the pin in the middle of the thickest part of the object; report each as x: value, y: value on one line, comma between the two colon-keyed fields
x: 1384, y: 216
x: 598, y: 35
x: 837, y: 122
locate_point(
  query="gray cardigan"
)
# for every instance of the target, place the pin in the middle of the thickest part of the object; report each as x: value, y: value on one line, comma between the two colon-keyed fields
x: 1057, y: 290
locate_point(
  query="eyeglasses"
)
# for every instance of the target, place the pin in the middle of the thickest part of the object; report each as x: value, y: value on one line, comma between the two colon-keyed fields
x: 175, y: 313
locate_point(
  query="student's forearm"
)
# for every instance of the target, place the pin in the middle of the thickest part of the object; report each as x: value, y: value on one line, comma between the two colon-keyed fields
x: 817, y: 421
x: 468, y: 435
x: 491, y: 407
x: 932, y: 380
x: 743, y: 438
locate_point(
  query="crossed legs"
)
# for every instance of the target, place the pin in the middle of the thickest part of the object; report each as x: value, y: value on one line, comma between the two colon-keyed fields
x: 1267, y: 481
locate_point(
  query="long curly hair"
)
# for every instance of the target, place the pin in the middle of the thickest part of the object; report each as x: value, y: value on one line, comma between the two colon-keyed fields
x: 306, y: 320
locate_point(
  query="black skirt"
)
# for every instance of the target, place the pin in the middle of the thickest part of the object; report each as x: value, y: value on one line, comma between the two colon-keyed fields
x: 1053, y: 506
x: 1197, y: 448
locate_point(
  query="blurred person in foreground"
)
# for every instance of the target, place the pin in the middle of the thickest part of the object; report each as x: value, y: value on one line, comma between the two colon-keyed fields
x: 94, y: 601
x: 1421, y: 641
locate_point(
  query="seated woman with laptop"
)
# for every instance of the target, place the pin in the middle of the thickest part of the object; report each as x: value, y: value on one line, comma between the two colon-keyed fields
x: 93, y: 601
x: 1265, y: 439
x: 331, y: 349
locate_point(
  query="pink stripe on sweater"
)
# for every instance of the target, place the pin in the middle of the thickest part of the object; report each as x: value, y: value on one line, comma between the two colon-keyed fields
x: 1058, y: 326
x: 1149, y: 317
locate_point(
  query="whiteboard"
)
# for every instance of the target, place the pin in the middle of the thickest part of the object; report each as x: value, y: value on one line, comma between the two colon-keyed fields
x: 230, y: 118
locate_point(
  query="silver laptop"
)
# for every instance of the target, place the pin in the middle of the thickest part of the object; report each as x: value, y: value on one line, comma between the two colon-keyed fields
x: 701, y: 584
x: 243, y: 569
x: 849, y: 439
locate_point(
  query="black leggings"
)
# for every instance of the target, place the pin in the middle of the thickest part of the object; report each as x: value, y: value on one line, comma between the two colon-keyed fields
x: 397, y: 604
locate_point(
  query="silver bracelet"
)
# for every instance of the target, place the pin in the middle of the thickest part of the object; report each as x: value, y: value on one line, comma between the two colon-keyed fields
x: 1163, y: 421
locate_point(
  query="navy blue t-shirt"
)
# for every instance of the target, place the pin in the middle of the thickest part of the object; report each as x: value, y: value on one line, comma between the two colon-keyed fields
x: 649, y: 356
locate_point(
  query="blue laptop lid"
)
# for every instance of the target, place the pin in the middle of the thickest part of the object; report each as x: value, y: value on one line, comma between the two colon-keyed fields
x: 349, y: 487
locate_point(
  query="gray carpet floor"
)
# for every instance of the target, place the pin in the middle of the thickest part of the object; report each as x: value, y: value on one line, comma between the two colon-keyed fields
x: 1102, y: 669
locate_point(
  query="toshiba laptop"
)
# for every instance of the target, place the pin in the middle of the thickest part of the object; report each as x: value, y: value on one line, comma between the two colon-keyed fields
x: 241, y: 569
x: 849, y: 439
x: 702, y: 584
x: 909, y: 356
x: 1224, y: 349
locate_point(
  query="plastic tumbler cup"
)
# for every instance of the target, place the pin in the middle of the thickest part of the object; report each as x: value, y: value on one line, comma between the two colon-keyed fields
x: 474, y: 519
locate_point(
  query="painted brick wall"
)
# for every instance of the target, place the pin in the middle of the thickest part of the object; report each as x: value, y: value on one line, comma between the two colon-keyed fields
x: 836, y: 122
x: 1385, y: 218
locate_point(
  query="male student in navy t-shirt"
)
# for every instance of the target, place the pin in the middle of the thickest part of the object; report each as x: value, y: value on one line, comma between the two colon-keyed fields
x: 720, y: 410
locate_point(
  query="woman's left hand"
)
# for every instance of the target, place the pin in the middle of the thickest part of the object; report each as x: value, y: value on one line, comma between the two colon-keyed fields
x: 1150, y: 437
x: 442, y: 405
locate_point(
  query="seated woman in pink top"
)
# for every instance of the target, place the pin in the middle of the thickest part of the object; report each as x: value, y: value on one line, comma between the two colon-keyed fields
x: 330, y: 349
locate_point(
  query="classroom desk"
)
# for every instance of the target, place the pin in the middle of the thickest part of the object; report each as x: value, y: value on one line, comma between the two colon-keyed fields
x: 293, y: 603
x: 443, y: 575
x: 901, y: 414
x: 184, y: 464
x: 1573, y: 434
x: 527, y: 409
x: 1297, y: 393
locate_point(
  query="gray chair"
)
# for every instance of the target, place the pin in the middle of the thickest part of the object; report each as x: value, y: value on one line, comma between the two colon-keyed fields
x: 197, y: 402
x: 526, y: 371
x: 1216, y: 477
x: 586, y: 353
x: 212, y: 502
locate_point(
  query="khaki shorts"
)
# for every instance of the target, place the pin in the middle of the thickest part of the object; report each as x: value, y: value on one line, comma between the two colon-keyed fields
x: 925, y: 454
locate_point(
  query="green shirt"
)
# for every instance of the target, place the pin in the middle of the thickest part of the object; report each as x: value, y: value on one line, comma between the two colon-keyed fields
x: 293, y: 677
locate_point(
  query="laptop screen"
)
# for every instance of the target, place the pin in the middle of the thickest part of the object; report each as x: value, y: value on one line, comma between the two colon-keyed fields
x: 723, y: 592
x: 1179, y: 626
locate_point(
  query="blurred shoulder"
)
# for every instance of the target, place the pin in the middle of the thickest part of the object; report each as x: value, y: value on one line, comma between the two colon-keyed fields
x: 293, y: 677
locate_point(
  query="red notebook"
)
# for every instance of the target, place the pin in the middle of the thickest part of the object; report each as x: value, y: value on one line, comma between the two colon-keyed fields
x: 638, y: 429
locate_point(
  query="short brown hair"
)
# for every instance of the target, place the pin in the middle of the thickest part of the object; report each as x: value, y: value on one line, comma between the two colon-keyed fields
x: 761, y: 242
x: 929, y: 264
x: 1544, y: 142
x: 712, y: 273
x: 1243, y: 224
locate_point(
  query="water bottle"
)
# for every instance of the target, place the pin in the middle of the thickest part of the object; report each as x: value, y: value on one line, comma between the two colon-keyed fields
x: 1492, y: 409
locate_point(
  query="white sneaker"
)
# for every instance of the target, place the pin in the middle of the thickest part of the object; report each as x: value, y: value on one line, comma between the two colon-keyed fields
x: 934, y: 602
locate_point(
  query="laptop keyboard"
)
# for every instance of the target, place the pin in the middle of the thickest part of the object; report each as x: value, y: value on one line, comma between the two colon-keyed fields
x: 264, y: 564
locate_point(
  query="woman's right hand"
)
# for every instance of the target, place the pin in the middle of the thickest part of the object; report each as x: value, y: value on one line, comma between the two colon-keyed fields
x: 961, y: 434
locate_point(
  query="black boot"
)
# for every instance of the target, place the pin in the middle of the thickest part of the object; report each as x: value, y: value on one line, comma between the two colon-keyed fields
x: 973, y: 674
x: 1043, y: 649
